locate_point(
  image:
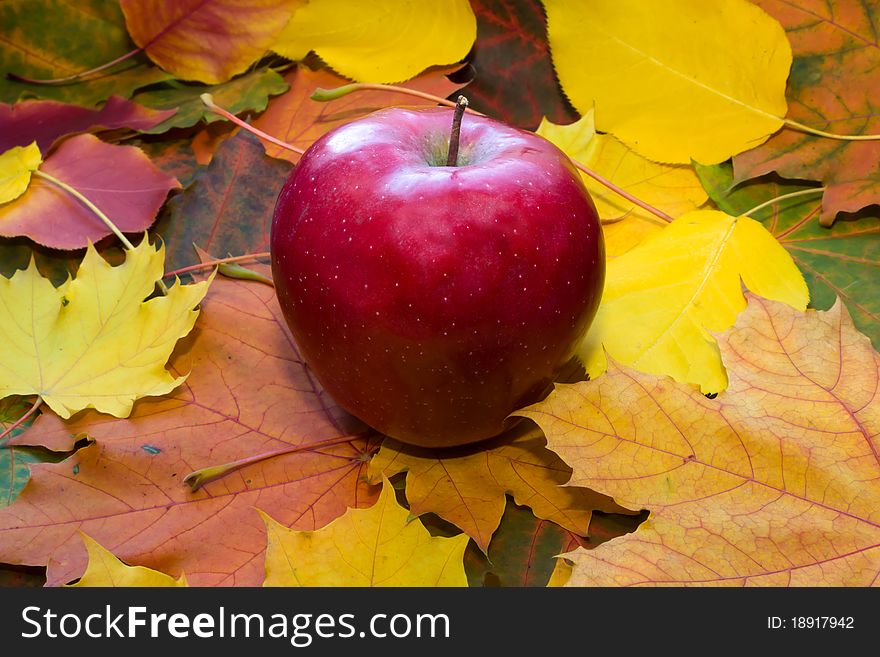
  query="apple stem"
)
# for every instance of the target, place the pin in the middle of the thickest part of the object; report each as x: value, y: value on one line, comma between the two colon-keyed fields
x: 460, y: 107
x: 332, y: 94
x: 75, y: 76
x: 33, y: 409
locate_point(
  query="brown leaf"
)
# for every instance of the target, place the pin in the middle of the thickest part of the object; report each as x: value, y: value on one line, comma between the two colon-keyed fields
x: 776, y: 482
x: 228, y: 206
x: 834, y: 86
x: 248, y: 393
x: 298, y: 120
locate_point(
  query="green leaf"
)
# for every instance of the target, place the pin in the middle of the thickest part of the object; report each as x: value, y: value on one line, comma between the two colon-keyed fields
x: 14, y: 472
x: 228, y: 206
x: 53, y: 38
x: 842, y: 261
x: 247, y: 92
x: 521, y: 553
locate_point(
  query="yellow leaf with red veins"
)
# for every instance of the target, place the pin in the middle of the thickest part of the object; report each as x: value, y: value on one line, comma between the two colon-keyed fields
x: 467, y: 485
x: 663, y: 297
x: 378, y: 546
x: 16, y: 166
x: 93, y: 342
x: 776, y: 482
x: 678, y: 80
x: 381, y: 40
x: 206, y: 40
x: 104, y: 569
x: 672, y: 188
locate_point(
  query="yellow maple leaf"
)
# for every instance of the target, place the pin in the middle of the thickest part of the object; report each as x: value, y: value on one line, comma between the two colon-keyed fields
x: 16, y: 166
x: 105, y: 569
x: 672, y: 188
x: 382, y: 40
x: 662, y: 298
x: 676, y: 81
x: 378, y: 546
x: 776, y: 482
x: 93, y: 342
x: 466, y: 486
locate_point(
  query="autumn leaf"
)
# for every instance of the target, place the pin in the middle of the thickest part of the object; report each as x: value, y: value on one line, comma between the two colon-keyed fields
x: 378, y: 546
x: 522, y: 551
x: 248, y: 92
x: 247, y: 394
x: 16, y: 166
x: 513, y: 77
x: 93, y: 342
x: 685, y: 80
x: 840, y: 262
x: 672, y: 188
x: 45, y: 39
x: 466, y: 486
x: 45, y: 121
x: 228, y: 207
x: 206, y: 40
x: 300, y: 121
x: 382, y: 40
x: 663, y: 297
x: 834, y: 86
x: 104, y: 569
x: 119, y: 180
x: 774, y: 483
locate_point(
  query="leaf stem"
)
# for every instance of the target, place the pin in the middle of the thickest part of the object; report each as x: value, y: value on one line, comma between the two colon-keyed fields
x: 199, y: 478
x: 33, y: 409
x: 332, y: 94
x: 784, y: 197
x: 75, y: 76
x: 219, y: 261
x: 98, y: 212
x: 828, y: 135
x: 620, y: 192
x: 208, y: 100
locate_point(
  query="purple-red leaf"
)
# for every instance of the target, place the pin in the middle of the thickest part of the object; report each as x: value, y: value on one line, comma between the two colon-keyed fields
x: 45, y: 121
x: 120, y: 180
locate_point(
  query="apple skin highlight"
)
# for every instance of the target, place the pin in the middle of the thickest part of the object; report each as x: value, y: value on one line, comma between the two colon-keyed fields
x: 432, y: 301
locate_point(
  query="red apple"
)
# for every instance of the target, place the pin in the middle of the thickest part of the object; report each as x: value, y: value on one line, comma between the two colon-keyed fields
x: 431, y: 301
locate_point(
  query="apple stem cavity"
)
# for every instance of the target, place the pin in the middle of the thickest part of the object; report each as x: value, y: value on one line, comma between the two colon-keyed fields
x: 324, y: 95
x: 460, y: 107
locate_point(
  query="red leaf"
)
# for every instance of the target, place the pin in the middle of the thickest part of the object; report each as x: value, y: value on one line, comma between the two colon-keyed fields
x: 514, y: 80
x: 45, y: 121
x: 120, y: 180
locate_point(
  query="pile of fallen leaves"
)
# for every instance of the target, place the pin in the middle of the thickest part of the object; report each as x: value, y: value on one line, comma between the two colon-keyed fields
x: 160, y: 428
